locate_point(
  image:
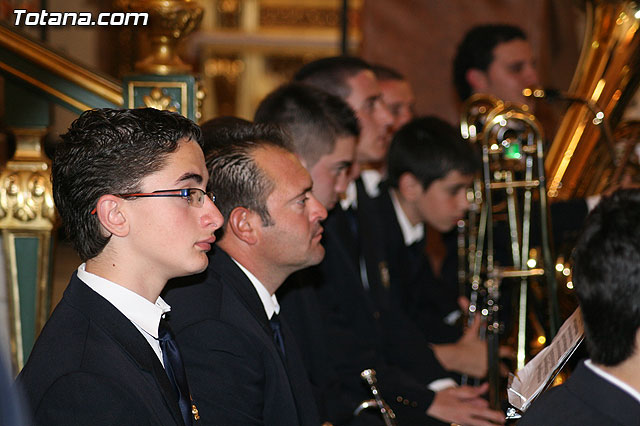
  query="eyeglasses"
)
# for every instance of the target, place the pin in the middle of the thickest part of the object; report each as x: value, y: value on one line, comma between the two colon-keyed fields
x: 194, y: 196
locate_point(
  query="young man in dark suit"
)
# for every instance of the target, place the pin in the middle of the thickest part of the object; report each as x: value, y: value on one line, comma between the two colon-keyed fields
x: 130, y: 188
x: 241, y: 358
x: 430, y: 169
x: 364, y: 329
x: 604, y: 390
x: 324, y: 131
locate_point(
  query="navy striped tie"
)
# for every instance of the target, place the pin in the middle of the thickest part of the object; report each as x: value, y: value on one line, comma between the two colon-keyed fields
x: 277, y: 333
x: 175, y: 370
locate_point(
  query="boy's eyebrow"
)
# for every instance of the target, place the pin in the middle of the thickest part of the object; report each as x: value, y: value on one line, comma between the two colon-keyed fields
x: 190, y: 176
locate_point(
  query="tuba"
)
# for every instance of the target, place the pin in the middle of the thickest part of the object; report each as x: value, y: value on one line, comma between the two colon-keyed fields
x: 580, y: 162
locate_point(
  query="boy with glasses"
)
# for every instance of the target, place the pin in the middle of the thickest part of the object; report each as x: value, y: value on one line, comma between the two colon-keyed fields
x: 129, y: 186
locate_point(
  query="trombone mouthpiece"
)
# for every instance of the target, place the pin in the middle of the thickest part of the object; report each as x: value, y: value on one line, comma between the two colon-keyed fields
x: 534, y: 92
x: 368, y: 374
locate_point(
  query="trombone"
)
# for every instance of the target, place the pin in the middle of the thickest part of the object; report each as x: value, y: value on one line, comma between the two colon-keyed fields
x: 511, y: 142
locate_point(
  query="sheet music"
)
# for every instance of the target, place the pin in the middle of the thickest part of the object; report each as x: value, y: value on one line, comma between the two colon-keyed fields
x: 531, y: 380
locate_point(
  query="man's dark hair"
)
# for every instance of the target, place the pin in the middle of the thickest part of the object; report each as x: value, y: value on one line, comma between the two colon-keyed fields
x: 476, y: 52
x: 385, y: 73
x: 606, y: 276
x: 110, y: 151
x: 313, y: 118
x: 234, y: 176
x: 220, y: 131
x: 331, y: 74
x: 429, y: 148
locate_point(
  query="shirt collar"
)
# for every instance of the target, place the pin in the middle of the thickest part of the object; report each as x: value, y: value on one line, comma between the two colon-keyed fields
x: 371, y: 180
x: 269, y: 301
x: 137, y: 309
x: 350, y: 198
x: 410, y: 233
x: 613, y: 380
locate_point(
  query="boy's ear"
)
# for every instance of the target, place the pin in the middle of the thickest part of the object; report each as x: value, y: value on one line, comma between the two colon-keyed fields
x: 243, y: 224
x: 477, y: 79
x: 409, y: 187
x: 112, y: 216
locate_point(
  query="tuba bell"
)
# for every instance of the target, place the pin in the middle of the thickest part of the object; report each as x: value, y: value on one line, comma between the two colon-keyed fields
x: 607, y: 75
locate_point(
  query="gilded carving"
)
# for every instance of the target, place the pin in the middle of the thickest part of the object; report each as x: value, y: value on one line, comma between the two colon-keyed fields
x: 299, y: 16
x: 26, y: 195
x: 158, y: 99
x: 26, y: 200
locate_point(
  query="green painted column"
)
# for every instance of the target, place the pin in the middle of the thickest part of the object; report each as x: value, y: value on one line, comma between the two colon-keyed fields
x: 27, y: 217
x: 173, y: 92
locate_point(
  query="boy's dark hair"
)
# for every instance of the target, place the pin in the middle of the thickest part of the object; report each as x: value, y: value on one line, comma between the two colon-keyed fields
x: 110, y: 151
x: 220, y: 131
x: 429, y: 148
x: 235, y: 177
x: 384, y: 73
x: 331, y: 74
x: 606, y: 276
x: 313, y: 118
x: 476, y: 52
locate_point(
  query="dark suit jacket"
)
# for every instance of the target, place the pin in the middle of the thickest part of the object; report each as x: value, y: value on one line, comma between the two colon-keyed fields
x: 426, y: 298
x: 302, y: 310
x: 364, y: 329
x: 585, y: 399
x: 234, y: 368
x: 91, y: 365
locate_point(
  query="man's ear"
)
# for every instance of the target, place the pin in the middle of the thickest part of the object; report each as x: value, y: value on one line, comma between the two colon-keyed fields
x: 477, y: 79
x: 302, y: 161
x: 409, y: 187
x: 243, y: 223
x: 112, y: 216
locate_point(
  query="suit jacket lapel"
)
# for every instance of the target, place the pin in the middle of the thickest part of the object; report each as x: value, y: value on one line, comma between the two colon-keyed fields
x: 232, y: 277
x: 125, y: 334
x: 296, y: 372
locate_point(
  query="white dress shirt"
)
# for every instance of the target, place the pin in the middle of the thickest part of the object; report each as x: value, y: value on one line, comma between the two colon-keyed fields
x: 142, y: 313
x: 410, y: 233
x: 269, y: 301
x: 370, y: 179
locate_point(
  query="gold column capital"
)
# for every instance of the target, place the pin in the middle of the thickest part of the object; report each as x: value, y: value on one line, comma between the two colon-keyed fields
x: 169, y: 22
x: 26, y: 195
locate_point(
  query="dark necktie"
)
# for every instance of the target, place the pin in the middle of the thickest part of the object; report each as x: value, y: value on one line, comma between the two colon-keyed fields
x: 175, y: 370
x: 277, y: 333
x: 352, y: 219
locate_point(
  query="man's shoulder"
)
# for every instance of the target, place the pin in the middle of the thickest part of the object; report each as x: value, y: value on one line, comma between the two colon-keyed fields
x: 75, y: 351
x: 218, y: 306
x: 585, y: 399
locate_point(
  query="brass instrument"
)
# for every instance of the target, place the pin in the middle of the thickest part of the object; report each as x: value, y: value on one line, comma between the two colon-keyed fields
x: 607, y: 75
x: 389, y: 417
x: 511, y: 142
x: 626, y: 137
